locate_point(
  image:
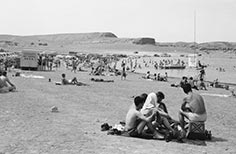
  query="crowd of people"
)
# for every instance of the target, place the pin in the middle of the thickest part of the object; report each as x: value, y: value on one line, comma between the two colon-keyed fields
x: 134, y: 63
x: 148, y: 116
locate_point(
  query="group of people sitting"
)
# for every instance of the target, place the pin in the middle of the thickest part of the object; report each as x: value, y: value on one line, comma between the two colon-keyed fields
x: 197, y: 85
x: 156, y: 77
x: 5, y: 84
x: 148, y: 116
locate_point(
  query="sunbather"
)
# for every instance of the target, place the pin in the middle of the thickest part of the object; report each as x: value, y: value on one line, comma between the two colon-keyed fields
x: 5, y: 83
x: 101, y: 80
x: 74, y: 81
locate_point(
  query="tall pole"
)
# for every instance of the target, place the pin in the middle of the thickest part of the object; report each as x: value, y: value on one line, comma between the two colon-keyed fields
x: 194, y: 35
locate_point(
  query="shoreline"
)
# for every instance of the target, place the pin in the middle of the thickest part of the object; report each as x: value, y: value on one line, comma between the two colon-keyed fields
x: 175, y: 78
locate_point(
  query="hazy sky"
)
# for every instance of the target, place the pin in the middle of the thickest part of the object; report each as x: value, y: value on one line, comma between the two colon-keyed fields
x: 165, y: 20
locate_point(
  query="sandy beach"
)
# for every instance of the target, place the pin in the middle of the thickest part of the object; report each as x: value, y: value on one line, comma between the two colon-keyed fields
x: 76, y: 66
x: 29, y: 126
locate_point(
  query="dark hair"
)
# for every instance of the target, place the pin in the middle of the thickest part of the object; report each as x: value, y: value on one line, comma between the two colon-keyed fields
x: 160, y: 95
x: 144, y: 96
x: 63, y: 75
x: 4, y: 73
x: 138, y: 100
x: 186, y: 88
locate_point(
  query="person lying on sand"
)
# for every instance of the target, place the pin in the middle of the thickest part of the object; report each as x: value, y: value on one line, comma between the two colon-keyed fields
x: 5, y: 83
x: 136, y: 121
x: 74, y: 81
x: 192, y: 108
x: 101, y: 80
x: 216, y: 84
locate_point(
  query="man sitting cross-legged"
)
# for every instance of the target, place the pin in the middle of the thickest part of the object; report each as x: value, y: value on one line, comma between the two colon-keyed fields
x: 136, y: 121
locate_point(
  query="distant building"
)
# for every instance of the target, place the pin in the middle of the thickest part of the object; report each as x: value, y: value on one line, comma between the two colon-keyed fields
x: 73, y: 53
x: 29, y: 59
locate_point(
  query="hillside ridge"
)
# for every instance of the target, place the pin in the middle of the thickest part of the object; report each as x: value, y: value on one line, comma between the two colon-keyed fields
x: 64, y: 41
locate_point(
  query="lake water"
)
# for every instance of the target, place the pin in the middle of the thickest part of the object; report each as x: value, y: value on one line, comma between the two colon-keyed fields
x: 227, y: 62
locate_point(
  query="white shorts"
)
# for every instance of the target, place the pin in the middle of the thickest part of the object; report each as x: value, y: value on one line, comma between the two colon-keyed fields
x: 196, y: 117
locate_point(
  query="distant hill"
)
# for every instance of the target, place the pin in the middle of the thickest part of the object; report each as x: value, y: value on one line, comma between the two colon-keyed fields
x: 99, y: 41
x: 225, y: 46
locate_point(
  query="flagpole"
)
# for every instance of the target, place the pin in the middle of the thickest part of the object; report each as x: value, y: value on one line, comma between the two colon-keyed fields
x: 194, y: 36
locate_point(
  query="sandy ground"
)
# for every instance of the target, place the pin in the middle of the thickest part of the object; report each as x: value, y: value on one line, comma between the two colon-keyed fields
x: 28, y: 126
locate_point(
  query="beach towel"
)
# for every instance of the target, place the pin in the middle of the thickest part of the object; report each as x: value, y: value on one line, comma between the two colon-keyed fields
x: 32, y: 76
x: 217, y: 95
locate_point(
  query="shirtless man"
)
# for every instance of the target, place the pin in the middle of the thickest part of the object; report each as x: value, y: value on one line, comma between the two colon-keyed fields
x: 5, y: 82
x: 136, y: 121
x: 193, y: 107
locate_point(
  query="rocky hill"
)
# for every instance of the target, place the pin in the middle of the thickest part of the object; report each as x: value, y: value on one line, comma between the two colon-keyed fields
x: 103, y: 41
x: 214, y: 46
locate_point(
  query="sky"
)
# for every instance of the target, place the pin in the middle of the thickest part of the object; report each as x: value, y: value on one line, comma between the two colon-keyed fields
x: 164, y: 20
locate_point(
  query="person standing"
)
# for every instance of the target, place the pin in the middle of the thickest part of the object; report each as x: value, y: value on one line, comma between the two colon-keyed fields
x: 123, y: 74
